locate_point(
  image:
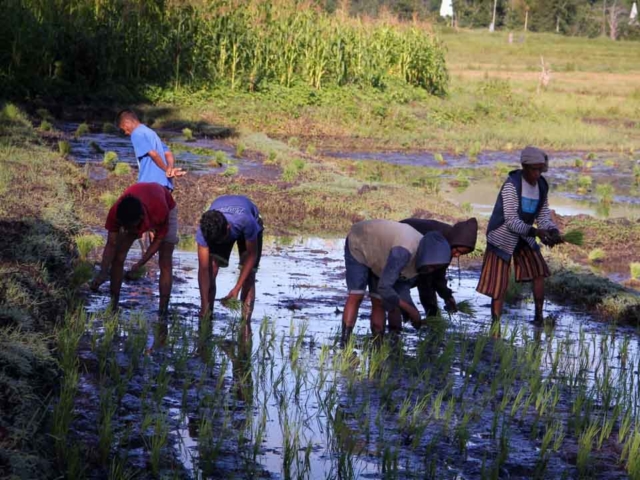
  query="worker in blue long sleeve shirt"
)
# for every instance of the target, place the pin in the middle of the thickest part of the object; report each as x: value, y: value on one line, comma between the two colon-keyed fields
x: 386, y: 257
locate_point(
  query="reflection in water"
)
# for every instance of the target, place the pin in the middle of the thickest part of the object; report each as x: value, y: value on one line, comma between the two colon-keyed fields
x: 282, y: 400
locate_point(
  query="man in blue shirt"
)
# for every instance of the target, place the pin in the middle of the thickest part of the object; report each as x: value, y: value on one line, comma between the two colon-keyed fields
x: 230, y: 219
x: 155, y: 160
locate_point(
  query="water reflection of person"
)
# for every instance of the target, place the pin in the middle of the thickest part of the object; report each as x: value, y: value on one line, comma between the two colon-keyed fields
x: 239, y: 353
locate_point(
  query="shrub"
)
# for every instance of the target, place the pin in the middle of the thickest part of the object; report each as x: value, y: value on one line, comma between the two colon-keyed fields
x: 596, y: 255
x: 110, y: 160
x: 122, y: 168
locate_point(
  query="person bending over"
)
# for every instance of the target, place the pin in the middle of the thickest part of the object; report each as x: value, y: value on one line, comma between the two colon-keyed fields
x: 230, y: 219
x: 462, y: 238
x: 385, y: 257
x: 143, y: 207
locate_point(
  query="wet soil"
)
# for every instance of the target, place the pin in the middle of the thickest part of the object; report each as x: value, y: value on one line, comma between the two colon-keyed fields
x: 292, y: 403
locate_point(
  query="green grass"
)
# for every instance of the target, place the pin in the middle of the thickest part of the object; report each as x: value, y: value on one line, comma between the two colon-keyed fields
x: 110, y: 160
x: 87, y: 243
x: 108, y: 199
x: 122, y: 168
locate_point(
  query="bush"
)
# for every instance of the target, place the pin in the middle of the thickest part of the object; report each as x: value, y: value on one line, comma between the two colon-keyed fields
x: 596, y: 255
x: 122, y: 168
x: 110, y: 160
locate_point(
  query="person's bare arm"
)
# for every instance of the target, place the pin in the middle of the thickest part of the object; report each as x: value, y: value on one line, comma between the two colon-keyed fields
x: 247, y: 266
x: 204, y: 280
x: 148, y: 255
x: 107, y: 259
x: 157, y: 159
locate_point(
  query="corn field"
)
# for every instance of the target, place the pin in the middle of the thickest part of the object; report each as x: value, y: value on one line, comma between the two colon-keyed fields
x: 49, y: 46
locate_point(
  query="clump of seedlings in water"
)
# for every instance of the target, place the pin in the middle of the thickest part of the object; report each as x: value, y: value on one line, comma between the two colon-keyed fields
x: 584, y: 184
x: 230, y: 171
x: 240, y: 148
x: 64, y: 148
x: 122, y: 168
x: 82, y: 129
x: 439, y: 158
x: 46, y: 126
x: 604, y: 192
x: 110, y: 160
x: 597, y: 255
x: 109, y: 128
x: 474, y: 151
x: 578, y: 162
x: 187, y: 133
x: 634, y: 269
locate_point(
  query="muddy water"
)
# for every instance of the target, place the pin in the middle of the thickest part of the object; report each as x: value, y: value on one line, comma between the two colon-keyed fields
x: 605, y: 168
x: 290, y: 410
x: 198, y: 156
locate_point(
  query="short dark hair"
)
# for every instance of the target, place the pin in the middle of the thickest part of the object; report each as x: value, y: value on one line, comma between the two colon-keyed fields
x: 129, y: 211
x: 126, y: 113
x: 213, y: 225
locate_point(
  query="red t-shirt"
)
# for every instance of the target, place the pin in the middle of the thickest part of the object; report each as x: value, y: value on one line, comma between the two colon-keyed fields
x: 156, y: 203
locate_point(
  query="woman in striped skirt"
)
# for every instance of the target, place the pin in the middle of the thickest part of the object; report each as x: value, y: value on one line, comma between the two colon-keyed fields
x: 522, y: 202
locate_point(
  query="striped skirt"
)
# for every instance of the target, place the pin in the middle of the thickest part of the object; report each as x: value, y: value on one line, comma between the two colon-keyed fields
x: 494, y: 278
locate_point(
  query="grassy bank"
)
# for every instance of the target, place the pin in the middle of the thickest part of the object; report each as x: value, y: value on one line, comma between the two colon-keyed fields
x: 37, y: 190
x: 591, y: 101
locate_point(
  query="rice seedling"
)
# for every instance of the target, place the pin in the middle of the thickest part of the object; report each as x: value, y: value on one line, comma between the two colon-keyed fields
x: 121, y: 168
x: 634, y: 269
x: 64, y: 148
x: 605, y: 192
x: 187, y: 133
x: 597, y: 255
x: 439, y: 159
x: 87, y: 243
x: 584, y: 184
x: 109, y: 128
x: 578, y: 162
x: 45, y: 126
x: 107, y: 412
x: 230, y: 171
x: 240, y: 149
x: 311, y: 149
x: 574, y: 237
x: 82, y: 129
x: 585, y: 444
x: 110, y: 160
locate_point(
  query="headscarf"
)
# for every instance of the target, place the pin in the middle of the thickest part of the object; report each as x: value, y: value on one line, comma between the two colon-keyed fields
x: 534, y: 156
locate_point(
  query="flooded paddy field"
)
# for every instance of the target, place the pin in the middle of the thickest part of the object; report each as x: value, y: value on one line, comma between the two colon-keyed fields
x: 187, y: 398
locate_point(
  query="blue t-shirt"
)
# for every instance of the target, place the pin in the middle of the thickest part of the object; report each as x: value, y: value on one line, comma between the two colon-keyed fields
x: 241, y: 214
x: 144, y: 140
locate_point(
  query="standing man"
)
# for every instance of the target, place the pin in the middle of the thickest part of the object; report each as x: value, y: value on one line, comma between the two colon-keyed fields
x: 385, y: 257
x: 155, y: 160
x: 522, y: 202
x: 143, y: 207
x: 462, y: 238
x: 230, y: 219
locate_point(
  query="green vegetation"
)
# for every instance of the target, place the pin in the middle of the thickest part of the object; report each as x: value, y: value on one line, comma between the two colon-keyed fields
x: 64, y: 148
x: 82, y: 129
x: 243, y: 47
x: 87, y: 243
x: 122, y: 168
x: 634, y: 268
x: 605, y: 192
x: 574, y: 237
x: 230, y: 171
x: 187, y: 133
x: 108, y: 199
x: 110, y: 160
x: 109, y: 128
x: 46, y: 126
x: 38, y: 226
x: 597, y: 255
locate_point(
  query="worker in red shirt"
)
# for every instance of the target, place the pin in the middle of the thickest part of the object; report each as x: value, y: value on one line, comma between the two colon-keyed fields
x: 143, y: 207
